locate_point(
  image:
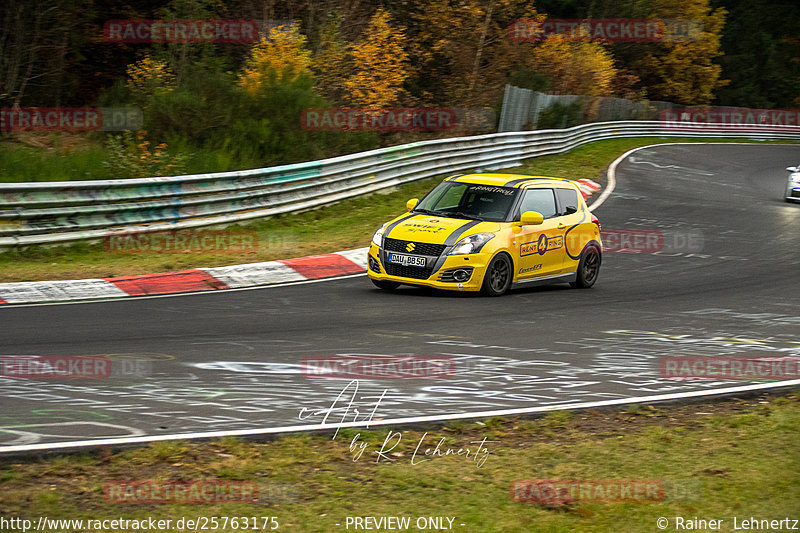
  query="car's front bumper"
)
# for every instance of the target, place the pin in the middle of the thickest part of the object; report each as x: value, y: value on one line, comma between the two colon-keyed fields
x: 444, y: 277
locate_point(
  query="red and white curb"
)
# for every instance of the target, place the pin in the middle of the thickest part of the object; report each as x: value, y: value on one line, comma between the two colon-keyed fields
x: 587, y: 187
x: 202, y: 279
x: 193, y: 280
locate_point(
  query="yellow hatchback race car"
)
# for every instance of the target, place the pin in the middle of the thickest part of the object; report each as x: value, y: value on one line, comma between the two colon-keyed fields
x: 487, y: 232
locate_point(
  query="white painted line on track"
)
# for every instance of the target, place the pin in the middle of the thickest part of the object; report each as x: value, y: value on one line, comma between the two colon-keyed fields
x: 611, y: 174
x: 396, y: 421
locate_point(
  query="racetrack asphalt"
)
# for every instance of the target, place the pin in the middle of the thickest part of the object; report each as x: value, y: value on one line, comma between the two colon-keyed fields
x: 721, y: 285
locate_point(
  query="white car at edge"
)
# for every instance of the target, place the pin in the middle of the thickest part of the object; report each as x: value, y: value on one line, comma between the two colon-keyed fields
x: 793, y: 185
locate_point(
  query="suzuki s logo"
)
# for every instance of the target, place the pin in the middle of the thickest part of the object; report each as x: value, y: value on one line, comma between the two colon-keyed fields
x: 410, y: 247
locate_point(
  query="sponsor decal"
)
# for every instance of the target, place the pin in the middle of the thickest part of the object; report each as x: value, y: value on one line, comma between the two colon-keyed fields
x: 542, y: 245
x: 489, y: 188
x: 424, y: 228
x: 534, y: 268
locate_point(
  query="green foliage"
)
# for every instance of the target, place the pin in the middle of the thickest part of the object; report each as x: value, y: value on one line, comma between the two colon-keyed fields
x: 220, y: 125
x: 528, y: 79
x: 558, y: 115
x: 130, y: 157
x: 762, y: 55
x: 20, y: 163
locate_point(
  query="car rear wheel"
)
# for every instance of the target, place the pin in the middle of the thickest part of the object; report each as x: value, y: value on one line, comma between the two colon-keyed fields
x: 498, y: 276
x: 588, y: 268
x: 385, y: 285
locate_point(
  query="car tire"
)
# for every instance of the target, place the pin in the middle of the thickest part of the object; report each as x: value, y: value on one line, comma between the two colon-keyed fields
x: 498, y: 277
x: 588, y: 268
x: 385, y: 285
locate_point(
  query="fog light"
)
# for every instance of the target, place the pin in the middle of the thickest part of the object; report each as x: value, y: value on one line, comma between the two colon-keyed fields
x: 461, y: 275
x: 373, y: 264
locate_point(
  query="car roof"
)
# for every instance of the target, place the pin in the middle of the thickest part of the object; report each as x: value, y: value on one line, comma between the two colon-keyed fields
x: 520, y: 181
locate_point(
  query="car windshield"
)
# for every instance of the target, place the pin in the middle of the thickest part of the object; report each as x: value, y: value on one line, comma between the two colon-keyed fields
x: 469, y: 200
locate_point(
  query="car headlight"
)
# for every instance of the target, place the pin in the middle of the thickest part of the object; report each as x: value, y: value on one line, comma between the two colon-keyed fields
x: 471, y: 244
x: 378, y: 237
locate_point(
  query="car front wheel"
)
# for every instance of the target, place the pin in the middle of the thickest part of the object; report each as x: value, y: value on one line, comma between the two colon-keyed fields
x: 498, y: 276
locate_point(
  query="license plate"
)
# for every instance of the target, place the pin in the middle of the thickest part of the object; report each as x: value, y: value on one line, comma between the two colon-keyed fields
x: 407, y: 260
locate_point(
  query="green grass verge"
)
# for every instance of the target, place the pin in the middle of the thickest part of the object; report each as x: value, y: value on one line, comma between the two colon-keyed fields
x: 346, y: 225
x: 51, y: 162
x: 717, y: 460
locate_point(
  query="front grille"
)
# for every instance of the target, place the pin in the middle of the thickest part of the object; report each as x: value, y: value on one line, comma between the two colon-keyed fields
x: 420, y: 248
x: 407, y: 271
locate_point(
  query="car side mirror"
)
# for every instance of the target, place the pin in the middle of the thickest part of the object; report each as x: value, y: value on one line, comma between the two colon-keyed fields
x: 531, y: 218
x: 571, y: 209
x: 791, y: 169
x: 411, y: 204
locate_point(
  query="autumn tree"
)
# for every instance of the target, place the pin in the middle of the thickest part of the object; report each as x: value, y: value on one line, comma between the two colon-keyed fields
x: 681, y: 68
x: 281, y: 58
x: 685, y: 73
x: 147, y: 76
x: 331, y: 63
x: 464, y: 53
x: 574, y: 67
x: 381, y: 64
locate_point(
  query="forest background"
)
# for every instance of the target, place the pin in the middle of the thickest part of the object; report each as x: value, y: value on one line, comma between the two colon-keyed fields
x: 227, y: 106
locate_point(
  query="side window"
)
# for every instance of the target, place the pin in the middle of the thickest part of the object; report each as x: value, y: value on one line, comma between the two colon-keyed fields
x: 540, y: 200
x: 567, y: 198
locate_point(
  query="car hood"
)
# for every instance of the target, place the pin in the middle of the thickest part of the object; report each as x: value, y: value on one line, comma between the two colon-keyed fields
x: 436, y: 230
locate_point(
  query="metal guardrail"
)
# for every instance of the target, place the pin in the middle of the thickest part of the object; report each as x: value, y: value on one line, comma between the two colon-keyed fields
x: 60, y: 212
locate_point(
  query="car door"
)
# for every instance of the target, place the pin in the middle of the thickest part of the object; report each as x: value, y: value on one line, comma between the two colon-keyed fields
x: 540, y: 249
x: 575, y: 222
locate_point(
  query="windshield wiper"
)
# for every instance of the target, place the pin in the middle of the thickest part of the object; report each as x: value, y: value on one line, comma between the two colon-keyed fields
x: 428, y: 212
x: 466, y: 215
